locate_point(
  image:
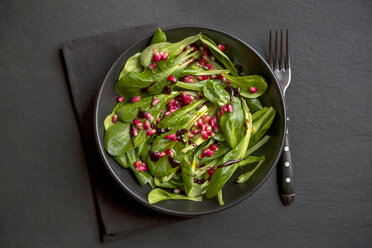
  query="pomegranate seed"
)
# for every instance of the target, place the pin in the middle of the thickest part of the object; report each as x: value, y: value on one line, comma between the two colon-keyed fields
x: 170, y: 136
x: 192, y: 98
x: 158, y: 120
x: 142, y: 167
x: 252, y: 89
x: 147, y: 125
x: 196, y: 131
x: 208, y: 129
x: 220, y: 112
x: 155, y: 101
x: 200, y: 78
x: 200, y: 124
x: 136, y: 99
x: 204, y: 135
x: 149, y: 117
x: 140, y: 125
x: 215, y: 127
x: 212, y: 58
x: 224, y: 108
x: 212, y: 121
x: 169, y: 152
x: 161, y: 111
x: 160, y: 154
x: 190, y: 135
x: 136, y: 121
x: 152, y: 66
x: 176, y: 191
x: 156, y: 57
x: 214, y: 76
x: 164, y: 56
x: 202, y: 155
x: 135, y: 132
x: 195, y: 124
x: 211, y: 171
x: 137, y: 163
x: 121, y: 99
x: 209, y: 66
x: 205, y: 77
x: 203, y: 60
x: 212, y: 134
x: 222, y: 78
x: 172, y: 78
x: 228, y: 82
x: 229, y: 107
x: 213, y: 147
x: 221, y: 47
x: 151, y: 132
x: 167, y: 113
x: 206, y: 119
x: 204, y: 127
x: 209, y: 152
x: 114, y: 118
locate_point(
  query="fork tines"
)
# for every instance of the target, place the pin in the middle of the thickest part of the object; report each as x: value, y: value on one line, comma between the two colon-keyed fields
x: 276, y: 65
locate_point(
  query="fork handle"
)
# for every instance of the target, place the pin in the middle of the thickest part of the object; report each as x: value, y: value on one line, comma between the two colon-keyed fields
x: 285, y: 170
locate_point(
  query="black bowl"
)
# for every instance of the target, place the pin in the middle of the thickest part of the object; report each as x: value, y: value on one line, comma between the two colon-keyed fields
x: 233, y: 193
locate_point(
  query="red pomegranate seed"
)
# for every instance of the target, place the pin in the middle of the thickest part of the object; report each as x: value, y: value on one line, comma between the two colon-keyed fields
x: 136, y: 121
x: 202, y: 155
x: 172, y: 78
x: 190, y: 135
x: 114, y: 118
x: 223, y: 108
x: 135, y: 132
x: 155, y: 101
x: 195, y: 124
x: 204, y: 135
x: 158, y: 120
x: 169, y: 152
x: 213, y: 147
x: 170, y: 136
x: 140, y: 125
x: 147, y: 125
x: 160, y: 154
x: 192, y: 98
x: 208, y: 152
x: 252, y: 89
x: 206, y: 119
x: 164, y: 56
x: 221, y: 47
x: 149, y: 117
x: 206, y: 77
x: 142, y: 167
x: 151, y: 132
x: 208, y: 129
x: 212, y: 121
x: 200, y: 124
x: 214, y: 76
x: 205, y: 52
x: 152, y: 66
x: 215, y: 127
x: 203, y: 60
x: 211, y: 171
x: 121, y: 99
x: 137, y: 163
x: 212, y: 134
x: 156, y: 57
x: 167, y: 113
x: 136, y: 99
x: 200, y: 78
x: 229, y: 107
x: 222, y: 78
x: 196, y: 131
x: 209, y: 66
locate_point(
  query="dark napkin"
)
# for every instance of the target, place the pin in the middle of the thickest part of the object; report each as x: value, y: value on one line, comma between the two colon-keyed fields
x: 87, y: 60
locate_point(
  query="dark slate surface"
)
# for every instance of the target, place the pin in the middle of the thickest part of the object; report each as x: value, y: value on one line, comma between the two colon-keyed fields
x: 46, y: 199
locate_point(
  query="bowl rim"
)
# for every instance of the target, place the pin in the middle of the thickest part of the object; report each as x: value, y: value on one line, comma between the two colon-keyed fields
x: 162, y: 209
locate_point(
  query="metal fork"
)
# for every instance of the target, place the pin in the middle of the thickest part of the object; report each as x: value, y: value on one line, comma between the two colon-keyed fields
x: 282, y: 72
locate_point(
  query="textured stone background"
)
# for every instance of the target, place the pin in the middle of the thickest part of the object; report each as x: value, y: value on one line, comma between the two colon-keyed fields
x: 45, y: 198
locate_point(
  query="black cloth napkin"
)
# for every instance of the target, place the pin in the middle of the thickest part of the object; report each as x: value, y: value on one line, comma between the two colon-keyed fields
x: 87, y: 60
